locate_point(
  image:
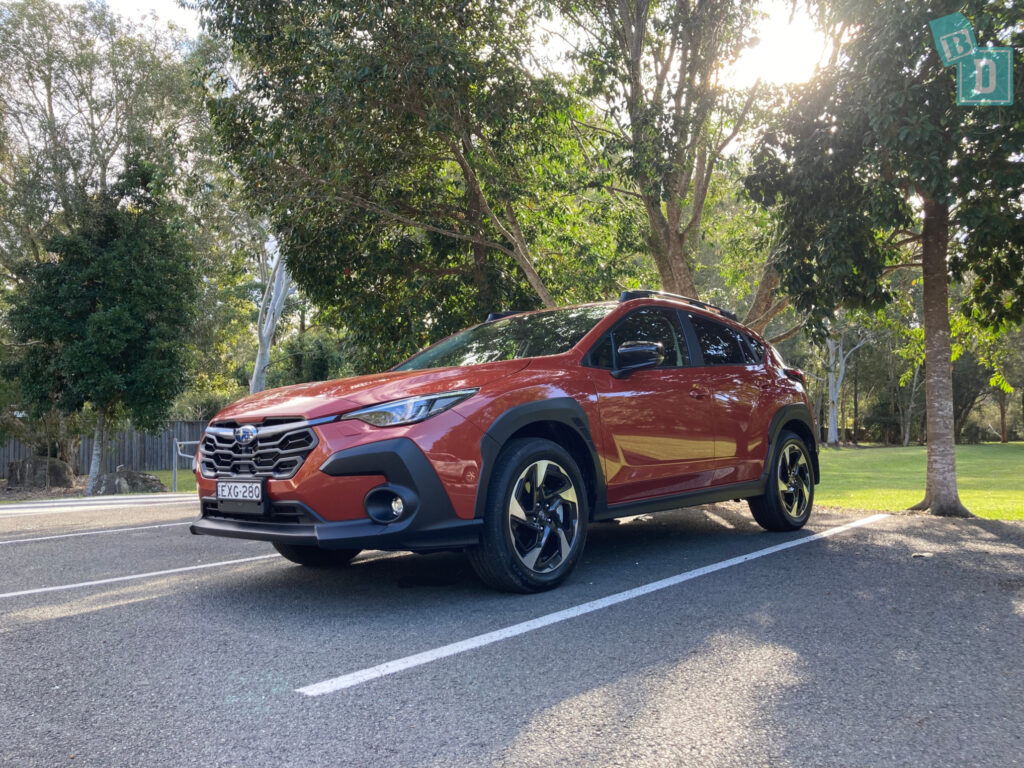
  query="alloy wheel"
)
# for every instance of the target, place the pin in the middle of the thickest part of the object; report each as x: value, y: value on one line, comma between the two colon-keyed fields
x: 543, y: 516
x: 794, y: 481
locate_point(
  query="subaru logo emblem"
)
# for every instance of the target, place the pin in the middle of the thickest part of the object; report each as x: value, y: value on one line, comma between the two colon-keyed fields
x: 245, y: 434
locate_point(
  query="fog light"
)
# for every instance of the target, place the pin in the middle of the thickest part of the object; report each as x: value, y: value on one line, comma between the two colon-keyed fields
x: 388, y: 504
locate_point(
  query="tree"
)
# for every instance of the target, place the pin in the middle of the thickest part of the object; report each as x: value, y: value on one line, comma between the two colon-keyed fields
x: 841, y: 341
x: 414, y: 170
x: 106, y: 322
x: 83, y: 91
x: 874, y: 156
x: 278, y: 288
x: 655, y: 65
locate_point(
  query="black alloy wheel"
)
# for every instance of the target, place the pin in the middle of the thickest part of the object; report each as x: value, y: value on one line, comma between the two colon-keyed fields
x: 789, y: 489
x: 535, y: 525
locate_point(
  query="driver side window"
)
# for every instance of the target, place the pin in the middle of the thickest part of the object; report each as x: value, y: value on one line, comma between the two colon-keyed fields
x: 651, y: 324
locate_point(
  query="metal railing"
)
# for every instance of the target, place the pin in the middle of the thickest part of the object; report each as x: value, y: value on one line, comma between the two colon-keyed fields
x: 178, y: 445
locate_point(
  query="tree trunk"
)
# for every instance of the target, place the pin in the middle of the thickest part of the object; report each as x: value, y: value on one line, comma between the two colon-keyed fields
x: 907, y: 416
x: 1003, y: 402
x: 277, y: 290
x: 98, y: 438
x: 834, y: 351
x: 941, y: 497
x: 670, y: 250
x: 856, y: 368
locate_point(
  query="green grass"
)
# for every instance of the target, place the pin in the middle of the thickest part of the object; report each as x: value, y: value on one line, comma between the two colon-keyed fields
x: 990, y: 478
x: 186, y: 480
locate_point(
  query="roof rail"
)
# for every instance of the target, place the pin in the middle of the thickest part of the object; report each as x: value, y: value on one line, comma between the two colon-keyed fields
x: 645, y: 293
x: 498, y: 315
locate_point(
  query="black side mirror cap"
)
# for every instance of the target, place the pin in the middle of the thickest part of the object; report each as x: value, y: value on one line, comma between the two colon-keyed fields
x: 634, y: 355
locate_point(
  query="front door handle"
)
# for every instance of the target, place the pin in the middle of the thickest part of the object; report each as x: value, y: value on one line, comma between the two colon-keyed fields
x: 699, y: 393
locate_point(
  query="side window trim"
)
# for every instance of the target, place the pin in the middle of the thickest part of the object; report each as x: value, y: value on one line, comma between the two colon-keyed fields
x: 692, y: 342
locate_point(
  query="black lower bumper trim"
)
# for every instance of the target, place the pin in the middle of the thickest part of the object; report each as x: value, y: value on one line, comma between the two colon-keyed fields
x: 349, y: 534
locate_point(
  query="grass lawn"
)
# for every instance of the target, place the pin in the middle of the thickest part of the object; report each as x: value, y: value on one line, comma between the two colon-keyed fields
x: 186, y: 480
x: 990, y: 478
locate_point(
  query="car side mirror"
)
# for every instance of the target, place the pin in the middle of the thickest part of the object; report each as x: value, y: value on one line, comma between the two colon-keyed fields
x: 634, y: 355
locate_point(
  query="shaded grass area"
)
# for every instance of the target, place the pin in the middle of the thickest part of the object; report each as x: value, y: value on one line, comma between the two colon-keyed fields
x: 990, y: 478
x: 186, y: 480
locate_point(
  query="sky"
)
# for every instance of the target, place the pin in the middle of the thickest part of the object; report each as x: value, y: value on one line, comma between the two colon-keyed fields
x: 788, y: 50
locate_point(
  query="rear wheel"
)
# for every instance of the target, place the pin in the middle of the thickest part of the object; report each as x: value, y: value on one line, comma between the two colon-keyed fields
x: 789, y: 490
x: 314, y: 556
x: 535, y: 524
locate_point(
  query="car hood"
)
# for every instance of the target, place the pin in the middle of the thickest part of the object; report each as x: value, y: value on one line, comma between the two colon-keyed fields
x: 325, y: 398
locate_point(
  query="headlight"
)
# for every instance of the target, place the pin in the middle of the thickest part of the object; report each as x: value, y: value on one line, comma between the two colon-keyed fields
x: 409, y: 410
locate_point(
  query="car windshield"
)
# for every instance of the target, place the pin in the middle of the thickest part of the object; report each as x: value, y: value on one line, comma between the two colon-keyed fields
x: 518, y: 336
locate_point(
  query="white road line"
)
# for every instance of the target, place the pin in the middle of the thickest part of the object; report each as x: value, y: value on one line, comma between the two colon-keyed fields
x: 133, y: 577
x: 59, y: 510
x: 100, y: 501
x: 92, y: 533
x: 472, y: 643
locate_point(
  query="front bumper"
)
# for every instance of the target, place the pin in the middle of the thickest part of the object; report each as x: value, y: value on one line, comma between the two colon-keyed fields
x: 428, y: 523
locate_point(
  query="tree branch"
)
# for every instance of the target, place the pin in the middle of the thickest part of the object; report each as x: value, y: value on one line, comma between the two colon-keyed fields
x: 786, y: 335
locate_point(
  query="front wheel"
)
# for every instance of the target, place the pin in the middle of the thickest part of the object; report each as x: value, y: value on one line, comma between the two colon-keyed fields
x: 535, y: 523
x: 789, y: 489
x: 314, y: 556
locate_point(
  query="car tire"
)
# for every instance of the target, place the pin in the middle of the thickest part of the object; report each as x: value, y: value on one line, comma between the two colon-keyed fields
x: 315, y: 557
x: 789, y: 487
x: 535, y: 521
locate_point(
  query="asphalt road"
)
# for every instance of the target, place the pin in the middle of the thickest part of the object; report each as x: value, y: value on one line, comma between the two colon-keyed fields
x: 845, y: 650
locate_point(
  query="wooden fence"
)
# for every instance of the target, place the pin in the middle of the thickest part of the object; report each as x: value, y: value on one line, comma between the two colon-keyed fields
x: 136, y: 450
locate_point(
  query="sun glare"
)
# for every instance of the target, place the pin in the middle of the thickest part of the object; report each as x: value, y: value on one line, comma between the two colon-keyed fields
x: 788, y: 50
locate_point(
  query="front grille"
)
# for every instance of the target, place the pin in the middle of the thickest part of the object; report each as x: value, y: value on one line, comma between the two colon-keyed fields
x: 276, y: 453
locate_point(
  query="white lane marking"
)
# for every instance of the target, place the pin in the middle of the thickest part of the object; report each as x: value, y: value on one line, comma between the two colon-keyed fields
x: 58, y: 510
x: 133, y: 577
x: 101, y: 501
x: 92, y: 533
x: 472, y: 643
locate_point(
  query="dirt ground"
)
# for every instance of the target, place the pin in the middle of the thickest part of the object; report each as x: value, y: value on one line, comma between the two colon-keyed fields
x: 32, y: 494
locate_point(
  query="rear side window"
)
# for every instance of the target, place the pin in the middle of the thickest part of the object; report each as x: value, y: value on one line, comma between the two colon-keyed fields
x: 719, y: 344
x: 652, y: 324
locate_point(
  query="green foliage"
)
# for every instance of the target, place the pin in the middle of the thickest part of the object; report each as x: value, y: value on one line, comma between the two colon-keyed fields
x: 875, y: 134
x: 406, y: 155
x: 83, y: 91
x: 318, y: 354
x: 653, y: 67
x: 107, y: 320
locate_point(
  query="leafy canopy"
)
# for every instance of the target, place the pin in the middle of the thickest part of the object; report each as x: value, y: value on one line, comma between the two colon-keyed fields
x: 107, y: 321
x: 877, y: 133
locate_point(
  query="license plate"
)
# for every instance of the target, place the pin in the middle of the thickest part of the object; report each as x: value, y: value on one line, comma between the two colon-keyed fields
x: 234, y: 491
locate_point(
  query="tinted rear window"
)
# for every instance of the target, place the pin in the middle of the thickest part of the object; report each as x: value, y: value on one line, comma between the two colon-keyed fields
x: 719, y: 343
x: 511, y: 338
